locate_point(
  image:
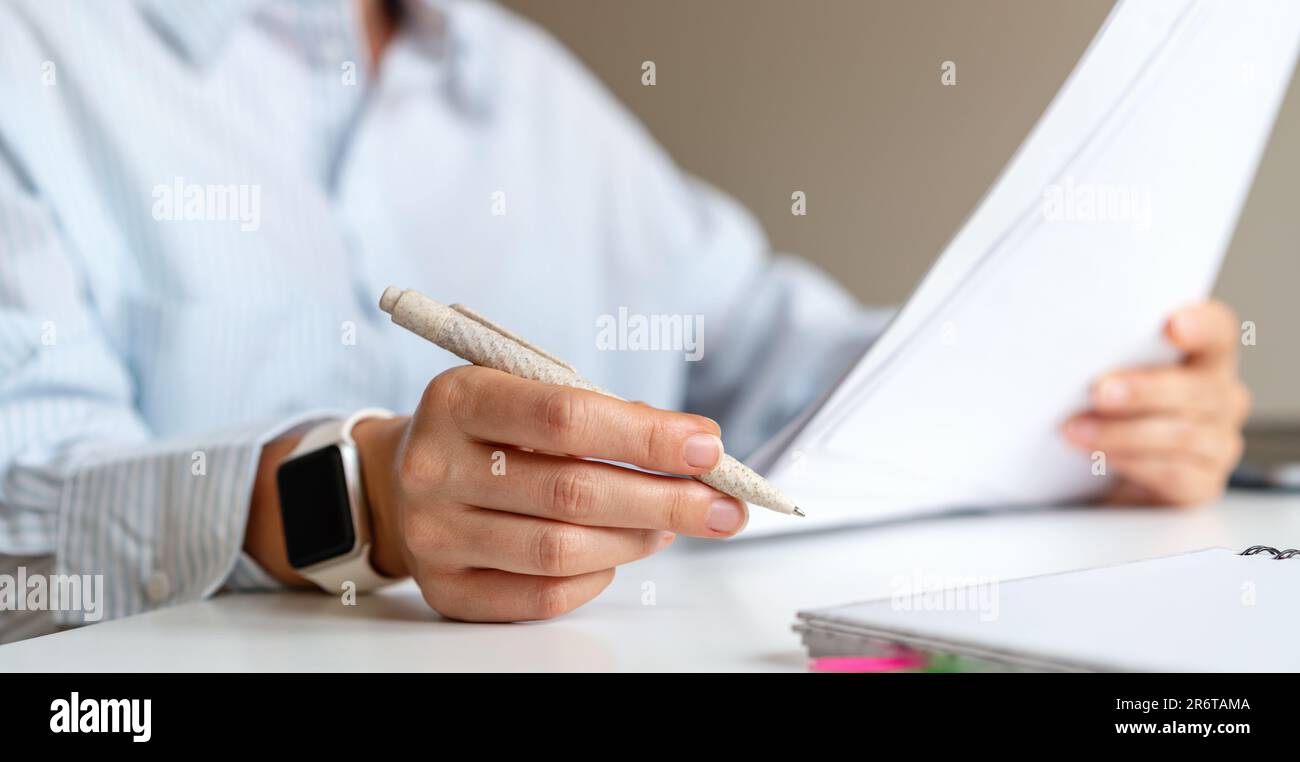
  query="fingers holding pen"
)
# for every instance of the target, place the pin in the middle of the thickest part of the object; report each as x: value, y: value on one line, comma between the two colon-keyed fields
x: 492, y: 406
x: 599, y: 495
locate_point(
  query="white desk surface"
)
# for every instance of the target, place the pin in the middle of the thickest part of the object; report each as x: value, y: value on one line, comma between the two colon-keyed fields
x: 717, y: 606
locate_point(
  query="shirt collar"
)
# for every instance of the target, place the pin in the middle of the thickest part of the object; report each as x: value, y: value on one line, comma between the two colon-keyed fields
x: 197, y: 29
x: 445, y: 31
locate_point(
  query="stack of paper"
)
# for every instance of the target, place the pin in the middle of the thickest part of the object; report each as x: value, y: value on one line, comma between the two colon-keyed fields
x: 1114, y: 212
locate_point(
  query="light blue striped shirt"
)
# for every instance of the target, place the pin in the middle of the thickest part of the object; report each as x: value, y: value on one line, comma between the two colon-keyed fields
x: 200, y: 203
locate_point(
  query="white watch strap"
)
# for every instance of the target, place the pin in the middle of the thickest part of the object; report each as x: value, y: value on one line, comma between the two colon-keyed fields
x: 332, y: 577
x: 333, y: 574
x: 335, y: 432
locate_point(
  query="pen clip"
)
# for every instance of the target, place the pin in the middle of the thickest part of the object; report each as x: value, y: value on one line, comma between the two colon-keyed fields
x: 481, y: 320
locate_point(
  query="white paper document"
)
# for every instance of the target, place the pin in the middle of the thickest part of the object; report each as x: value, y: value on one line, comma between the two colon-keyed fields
x: 1205, y: 611
x: 1115, y: 211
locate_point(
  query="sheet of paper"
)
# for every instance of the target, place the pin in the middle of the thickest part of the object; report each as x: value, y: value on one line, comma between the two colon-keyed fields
x: 1210, y: 610
x: 1115, y: 211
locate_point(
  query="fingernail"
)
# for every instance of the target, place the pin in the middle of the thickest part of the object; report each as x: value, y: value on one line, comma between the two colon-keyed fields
x: 1081, y: 430
x: 1112, y: 392
x: 725, y: 515
x: 702, y: 451
x: 666, y: 540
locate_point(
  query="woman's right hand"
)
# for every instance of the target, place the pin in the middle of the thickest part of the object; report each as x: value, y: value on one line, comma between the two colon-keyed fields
x: 469, y: 495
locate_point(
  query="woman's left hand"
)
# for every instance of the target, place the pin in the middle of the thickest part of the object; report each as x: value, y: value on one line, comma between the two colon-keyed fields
x: 1172, y: 433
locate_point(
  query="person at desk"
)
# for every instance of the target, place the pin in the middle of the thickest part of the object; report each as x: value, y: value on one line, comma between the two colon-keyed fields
x: 199, y: 205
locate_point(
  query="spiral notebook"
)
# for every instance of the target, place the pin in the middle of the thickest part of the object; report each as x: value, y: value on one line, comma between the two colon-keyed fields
x: 1211, y: 610
x: 1115, y: 211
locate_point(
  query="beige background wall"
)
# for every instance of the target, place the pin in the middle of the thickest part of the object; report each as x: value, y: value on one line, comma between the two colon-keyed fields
x: 842, y: 99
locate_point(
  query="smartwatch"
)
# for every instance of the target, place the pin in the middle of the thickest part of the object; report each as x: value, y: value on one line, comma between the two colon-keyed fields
x: 324, y: 511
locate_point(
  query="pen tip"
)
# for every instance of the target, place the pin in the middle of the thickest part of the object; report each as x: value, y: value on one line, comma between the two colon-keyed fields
x: 798, y: 512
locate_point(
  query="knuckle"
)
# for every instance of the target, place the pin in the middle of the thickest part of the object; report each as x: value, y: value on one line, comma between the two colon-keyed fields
x: 562, y: 414
x: 436, y: 390
x: 418, y: 470
x: 657, y: 440
x: 411, y: 468
x: 1138, y: 385
x: 449, y: 392
x: 552, y: 600
x: 556, y: 550
x: 573, y: 493
x: 680, y: 507
x: 421, y: 539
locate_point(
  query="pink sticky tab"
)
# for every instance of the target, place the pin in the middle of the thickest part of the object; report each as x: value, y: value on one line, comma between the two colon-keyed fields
x: 896, y: 663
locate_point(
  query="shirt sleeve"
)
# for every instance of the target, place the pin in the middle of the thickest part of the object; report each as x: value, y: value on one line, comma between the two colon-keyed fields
x: 83, y: 480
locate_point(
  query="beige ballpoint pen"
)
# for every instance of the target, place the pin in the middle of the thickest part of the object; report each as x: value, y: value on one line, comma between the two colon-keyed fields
x: 474, y: 338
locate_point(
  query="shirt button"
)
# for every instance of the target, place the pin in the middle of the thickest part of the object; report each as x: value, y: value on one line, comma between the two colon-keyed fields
x: 158, y: 587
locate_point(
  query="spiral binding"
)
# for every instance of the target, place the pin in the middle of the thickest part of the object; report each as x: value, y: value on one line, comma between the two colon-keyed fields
x: 1278, y: 555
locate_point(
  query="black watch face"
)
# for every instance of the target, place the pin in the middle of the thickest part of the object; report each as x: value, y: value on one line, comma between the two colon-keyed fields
x: 314, y: 504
